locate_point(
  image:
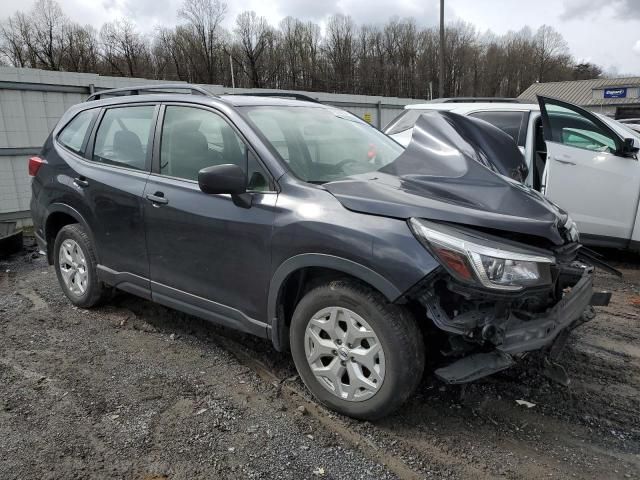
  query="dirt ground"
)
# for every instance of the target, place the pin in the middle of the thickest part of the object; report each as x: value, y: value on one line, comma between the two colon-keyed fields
x: 135, y: 390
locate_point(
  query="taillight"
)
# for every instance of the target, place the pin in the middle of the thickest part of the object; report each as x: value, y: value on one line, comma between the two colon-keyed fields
x: 34, y: 165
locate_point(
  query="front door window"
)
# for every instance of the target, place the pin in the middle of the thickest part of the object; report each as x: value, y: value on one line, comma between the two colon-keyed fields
x: 194, y: 138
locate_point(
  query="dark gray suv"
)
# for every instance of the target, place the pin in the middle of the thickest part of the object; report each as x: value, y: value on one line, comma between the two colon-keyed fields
x: 300, y: 223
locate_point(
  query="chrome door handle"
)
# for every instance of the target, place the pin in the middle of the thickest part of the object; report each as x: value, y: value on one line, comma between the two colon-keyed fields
x: 81, y: 182
x: 157, y: 199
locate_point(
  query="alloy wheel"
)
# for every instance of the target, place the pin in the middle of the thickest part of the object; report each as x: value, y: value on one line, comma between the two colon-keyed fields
x: 344, y: 354
x: 73, y: 267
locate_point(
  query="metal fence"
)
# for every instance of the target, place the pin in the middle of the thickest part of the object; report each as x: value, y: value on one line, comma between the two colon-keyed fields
x: 32, y: 101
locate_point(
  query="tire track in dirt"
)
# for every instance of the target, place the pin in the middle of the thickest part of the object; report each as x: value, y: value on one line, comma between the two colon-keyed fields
x: 441, y: 460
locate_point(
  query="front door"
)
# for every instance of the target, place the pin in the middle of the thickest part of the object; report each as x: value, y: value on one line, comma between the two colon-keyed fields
x: 587, y: 173
x: 209, y: 254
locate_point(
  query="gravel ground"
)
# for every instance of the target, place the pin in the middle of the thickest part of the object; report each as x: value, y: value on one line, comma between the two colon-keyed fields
x: 135, y: 390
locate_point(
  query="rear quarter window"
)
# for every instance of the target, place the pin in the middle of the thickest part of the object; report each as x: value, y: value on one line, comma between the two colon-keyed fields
x: 74, y: 134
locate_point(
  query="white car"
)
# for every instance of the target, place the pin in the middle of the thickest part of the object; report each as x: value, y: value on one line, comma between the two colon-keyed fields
x: 584, y: 162
x: 632, y: 123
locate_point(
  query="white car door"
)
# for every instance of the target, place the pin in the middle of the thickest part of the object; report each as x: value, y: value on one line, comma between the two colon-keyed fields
x: 590, y: 172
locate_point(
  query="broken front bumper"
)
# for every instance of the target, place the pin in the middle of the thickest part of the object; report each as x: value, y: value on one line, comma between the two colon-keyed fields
x: 523, y: 336
x: 519, y: 336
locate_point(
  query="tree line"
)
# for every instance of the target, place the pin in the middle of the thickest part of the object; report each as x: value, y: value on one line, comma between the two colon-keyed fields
x: 399, y: 58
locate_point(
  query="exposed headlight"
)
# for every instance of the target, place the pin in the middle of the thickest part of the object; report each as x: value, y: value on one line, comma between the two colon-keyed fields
x: 473, y: 259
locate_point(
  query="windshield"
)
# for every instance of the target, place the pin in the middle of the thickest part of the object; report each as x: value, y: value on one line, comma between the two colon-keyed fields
x: 323, y: 144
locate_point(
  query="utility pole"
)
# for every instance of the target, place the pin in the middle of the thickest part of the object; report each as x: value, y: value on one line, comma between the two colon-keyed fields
x: 441, y: 81
x: 233, y: 80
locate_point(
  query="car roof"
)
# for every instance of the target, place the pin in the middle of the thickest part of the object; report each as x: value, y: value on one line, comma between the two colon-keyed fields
x: 463, y: 107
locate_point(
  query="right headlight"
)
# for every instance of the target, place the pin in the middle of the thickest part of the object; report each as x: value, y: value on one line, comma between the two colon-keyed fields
x: 472, y: 260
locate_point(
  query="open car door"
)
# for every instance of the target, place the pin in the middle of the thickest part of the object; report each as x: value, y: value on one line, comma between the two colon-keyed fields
x: 591, y: 172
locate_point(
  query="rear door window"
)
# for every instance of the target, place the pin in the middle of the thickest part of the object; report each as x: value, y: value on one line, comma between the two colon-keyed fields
x: 73, y: 136
x: 122, y: 138
x: 512, y: 123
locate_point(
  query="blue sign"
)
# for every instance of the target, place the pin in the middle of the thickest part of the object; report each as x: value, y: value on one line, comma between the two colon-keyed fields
x: 615, y: 92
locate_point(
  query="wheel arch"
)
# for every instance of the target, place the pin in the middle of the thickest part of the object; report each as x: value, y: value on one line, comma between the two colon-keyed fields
x: 59, y: 215
x: 323, y: 265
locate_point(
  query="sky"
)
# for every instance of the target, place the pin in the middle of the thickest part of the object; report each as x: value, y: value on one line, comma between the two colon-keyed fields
x: 606, y: 32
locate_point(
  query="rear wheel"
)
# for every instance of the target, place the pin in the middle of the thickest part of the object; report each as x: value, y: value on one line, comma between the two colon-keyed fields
x: 75, y: 263
x: 357, y: 353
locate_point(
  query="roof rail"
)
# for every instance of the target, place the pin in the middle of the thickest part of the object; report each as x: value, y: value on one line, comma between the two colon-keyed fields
x: 475, y: 100
x: 295, y: 96
x: 193, y: 89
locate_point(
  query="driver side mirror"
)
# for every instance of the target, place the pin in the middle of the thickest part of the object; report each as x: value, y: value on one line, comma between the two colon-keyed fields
x: 227, y: 178
x: 630, y: 147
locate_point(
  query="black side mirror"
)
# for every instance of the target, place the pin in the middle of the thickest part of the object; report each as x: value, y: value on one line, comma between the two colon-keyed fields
x: 227, y: 178
x: 629, y: 147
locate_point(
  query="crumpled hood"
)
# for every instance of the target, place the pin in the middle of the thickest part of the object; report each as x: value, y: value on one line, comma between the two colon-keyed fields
x: 448, y: 173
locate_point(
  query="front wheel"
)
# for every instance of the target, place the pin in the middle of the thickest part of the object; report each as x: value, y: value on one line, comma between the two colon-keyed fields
x: 357, y: 353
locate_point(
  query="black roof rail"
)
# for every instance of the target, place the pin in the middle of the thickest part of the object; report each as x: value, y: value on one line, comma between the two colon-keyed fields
x: 295, y: 96
x: 138, y: 90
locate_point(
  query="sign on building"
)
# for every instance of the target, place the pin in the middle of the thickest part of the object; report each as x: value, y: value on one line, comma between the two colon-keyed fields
x: 615, y: 92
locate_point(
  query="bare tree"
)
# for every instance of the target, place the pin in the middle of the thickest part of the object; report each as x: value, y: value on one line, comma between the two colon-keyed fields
x: 204, y: 32
x: 81, y: 49
x: 15, y: 38
x: 124, y: 49
x: 549, y: 48
x: 339, y: 46
x: 398, y: 58
x: 254, y: 35
x: 48, y: 24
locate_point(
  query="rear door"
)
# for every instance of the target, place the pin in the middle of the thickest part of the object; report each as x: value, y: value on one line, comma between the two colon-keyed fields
x: 587, y: 174
x: 111, y: 180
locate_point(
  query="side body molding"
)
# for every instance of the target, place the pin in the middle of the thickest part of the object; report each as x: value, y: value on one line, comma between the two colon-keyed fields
x: 297, y: 262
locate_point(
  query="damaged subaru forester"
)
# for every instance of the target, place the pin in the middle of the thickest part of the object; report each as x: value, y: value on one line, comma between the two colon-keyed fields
x: 300, y: 223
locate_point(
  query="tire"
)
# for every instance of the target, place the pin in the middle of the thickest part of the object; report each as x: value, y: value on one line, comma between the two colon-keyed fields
x: 91, y: 291
x: 395, y: 329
